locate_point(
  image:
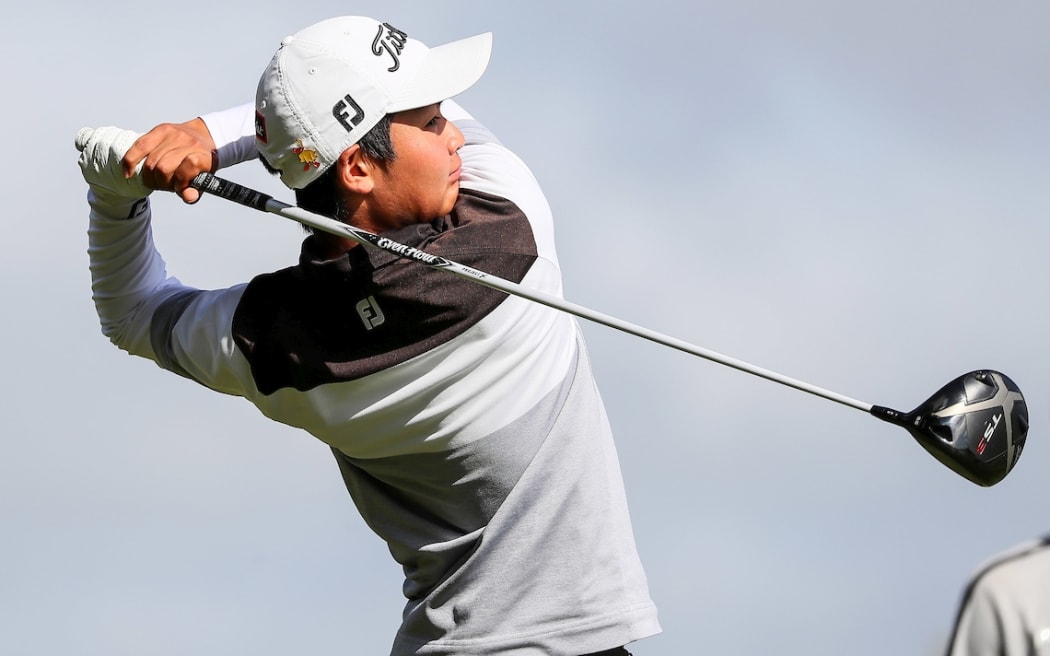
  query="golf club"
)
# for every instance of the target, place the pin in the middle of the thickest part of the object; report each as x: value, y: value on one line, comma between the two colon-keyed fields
x: 976, y: 425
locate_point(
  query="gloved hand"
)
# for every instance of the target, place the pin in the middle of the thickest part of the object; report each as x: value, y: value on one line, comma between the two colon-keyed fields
x: 101, y: 152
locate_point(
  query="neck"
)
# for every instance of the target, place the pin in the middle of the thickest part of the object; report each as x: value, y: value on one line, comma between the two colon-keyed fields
x: 331, y: 246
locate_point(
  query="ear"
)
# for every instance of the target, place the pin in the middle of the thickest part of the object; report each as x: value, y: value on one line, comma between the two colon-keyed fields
x: 356, y: 172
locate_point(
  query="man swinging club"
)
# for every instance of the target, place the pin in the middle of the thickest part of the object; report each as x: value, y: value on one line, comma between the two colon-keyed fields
x: 466, y: 423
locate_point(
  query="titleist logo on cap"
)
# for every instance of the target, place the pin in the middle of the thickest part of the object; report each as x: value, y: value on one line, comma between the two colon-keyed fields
x: 392, y: 42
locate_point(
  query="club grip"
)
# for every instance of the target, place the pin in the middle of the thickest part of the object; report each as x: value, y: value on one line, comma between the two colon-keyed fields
x: 212, y: 184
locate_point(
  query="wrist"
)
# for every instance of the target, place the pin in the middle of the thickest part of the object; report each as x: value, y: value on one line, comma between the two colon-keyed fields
x: 114, y: 206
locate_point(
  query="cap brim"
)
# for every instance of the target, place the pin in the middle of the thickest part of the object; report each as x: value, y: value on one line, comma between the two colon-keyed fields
x: 450, y: 69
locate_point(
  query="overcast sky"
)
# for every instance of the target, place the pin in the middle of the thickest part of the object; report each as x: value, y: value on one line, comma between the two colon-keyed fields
x: 855, y: 196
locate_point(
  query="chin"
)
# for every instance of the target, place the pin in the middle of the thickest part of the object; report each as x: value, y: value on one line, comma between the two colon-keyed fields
x: 449, y: 204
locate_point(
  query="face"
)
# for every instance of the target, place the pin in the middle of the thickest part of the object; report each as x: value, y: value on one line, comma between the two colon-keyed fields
x: 422, y: 182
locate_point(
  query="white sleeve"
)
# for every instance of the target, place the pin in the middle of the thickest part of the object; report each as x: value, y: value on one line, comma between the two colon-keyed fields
x: 125, y: 270
x: 490, y: 167
x: 151, y: 314
x: 233, y: 131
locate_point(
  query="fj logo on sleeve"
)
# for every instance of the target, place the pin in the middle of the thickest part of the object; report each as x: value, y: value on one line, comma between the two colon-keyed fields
x: 370, y: 313
x: 390, y: 40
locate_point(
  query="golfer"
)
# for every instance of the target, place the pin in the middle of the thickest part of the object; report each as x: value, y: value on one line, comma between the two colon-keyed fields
x: 465, y: 423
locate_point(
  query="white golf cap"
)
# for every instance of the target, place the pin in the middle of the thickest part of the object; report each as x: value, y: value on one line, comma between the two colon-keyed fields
x: 330, y: 83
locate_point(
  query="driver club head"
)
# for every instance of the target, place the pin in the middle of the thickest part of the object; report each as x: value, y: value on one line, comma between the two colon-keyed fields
x: 976, y: 425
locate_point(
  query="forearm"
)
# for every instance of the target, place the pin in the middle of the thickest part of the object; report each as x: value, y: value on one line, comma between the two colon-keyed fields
x: 126, y: 272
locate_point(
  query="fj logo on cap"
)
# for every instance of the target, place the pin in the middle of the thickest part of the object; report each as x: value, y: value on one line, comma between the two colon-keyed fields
x: 391, y: 40
x: 339, y: 111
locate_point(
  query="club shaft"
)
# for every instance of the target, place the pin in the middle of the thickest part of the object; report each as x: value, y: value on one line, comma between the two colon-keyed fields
x: 245, y: 196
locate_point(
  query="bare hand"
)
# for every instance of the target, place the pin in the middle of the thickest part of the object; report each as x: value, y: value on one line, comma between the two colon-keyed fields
x: 172, y: 155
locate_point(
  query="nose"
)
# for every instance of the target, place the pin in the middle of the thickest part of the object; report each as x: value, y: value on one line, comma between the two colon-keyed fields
x: 454, y: 137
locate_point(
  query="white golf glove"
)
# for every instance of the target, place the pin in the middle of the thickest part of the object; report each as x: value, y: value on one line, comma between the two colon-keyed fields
x: 101, y: 151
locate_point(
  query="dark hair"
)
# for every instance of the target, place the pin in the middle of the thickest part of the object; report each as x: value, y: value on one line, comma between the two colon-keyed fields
x: 321, y: 195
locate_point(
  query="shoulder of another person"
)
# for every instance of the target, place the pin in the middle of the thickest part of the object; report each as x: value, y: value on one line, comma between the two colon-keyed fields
x: 1016, y: 561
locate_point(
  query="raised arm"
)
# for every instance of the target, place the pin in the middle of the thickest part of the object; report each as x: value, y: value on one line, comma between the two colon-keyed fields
x: 171, y: 154
x: 140, y: 306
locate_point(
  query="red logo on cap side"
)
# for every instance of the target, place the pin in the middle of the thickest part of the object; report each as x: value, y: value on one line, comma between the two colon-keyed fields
x: 260, y: 127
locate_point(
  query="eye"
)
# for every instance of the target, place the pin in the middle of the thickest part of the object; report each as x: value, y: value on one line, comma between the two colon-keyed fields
x: 435, y: 120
